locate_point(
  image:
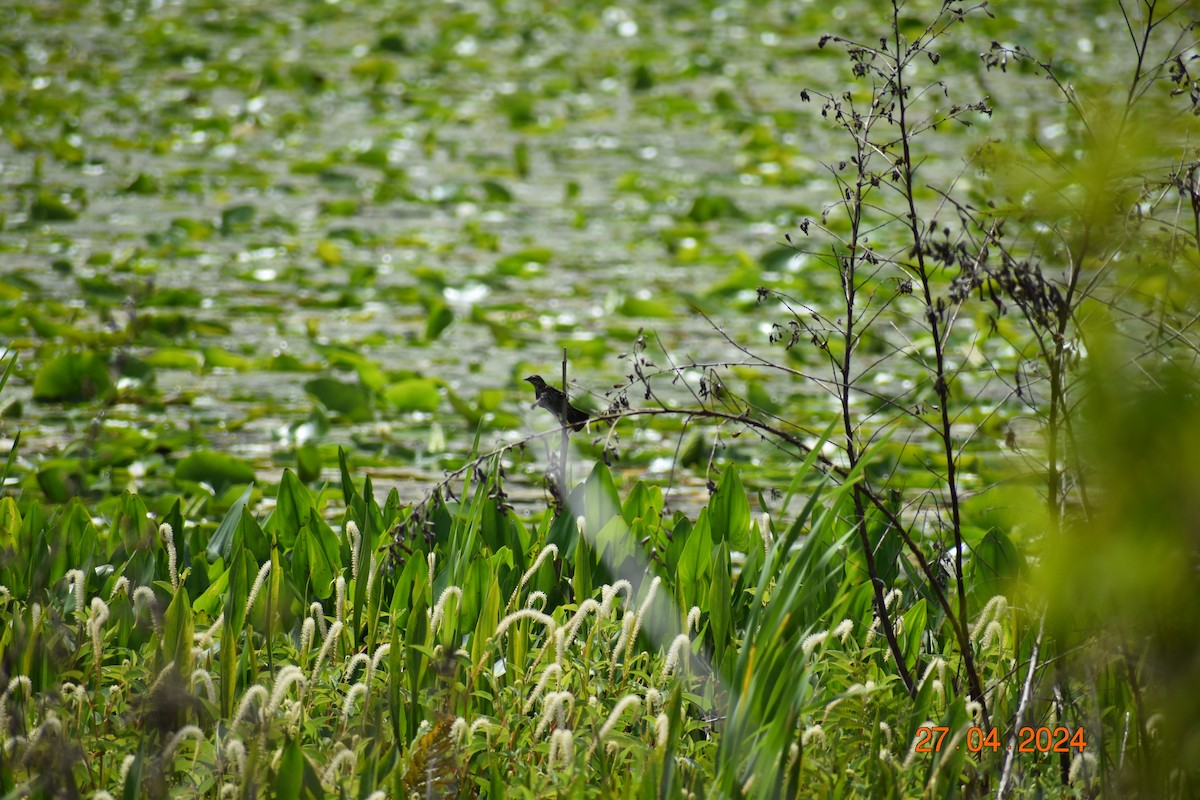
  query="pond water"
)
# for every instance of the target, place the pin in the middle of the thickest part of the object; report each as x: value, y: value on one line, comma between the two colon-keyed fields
x: 232, y: 199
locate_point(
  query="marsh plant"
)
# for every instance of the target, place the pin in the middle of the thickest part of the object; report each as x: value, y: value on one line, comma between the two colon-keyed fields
x: 965, y: 547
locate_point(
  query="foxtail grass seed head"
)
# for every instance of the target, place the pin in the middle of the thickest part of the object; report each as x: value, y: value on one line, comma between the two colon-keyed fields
x: 460, y: 732
x: 51, y: 726
x: 641, y: 614
x: 263, y: 572
x: 662, y: 730
x: 343, y: 761
x: 609, y: 592
x: 439, y: 609
x: 627, y: 623
x: 431, y: 562
x: 168, y: 537
x: 235, y: 754
x: 357, y: 689
x: 813, y: 735
x: 340, y: 604
x: 206, y: 638
x: 525, y: 613
x: 95, y: 626
x: 187, y: 731
x: 894, y: 596
x: 286, y: 678
x: 335, y: 630
x: 562, y: 749
x: 551, y: 671
x: 1083, y: 766
x: 18, y: 681
x: 74, y: 692
x: 764, y: 530
x: 556, y: 707
x: 291, y: 711
x: 588, y: 606
x: 993, y: 633
x: 143, y: 598
x: 481, y: 724
x: 991, y: 611
x: 317, y: 612
x: 938, y: 665
x: 246, y: 708
x: 536, y: 600
x: 357, y: 660
x: 380, y: 653
x: 203, y: 677
x: 75, y: 580
x: 693, y: 620
x: 560, y: 645
x: 843, y: 630
x: 550, y: 549
x: 307, y: 629
x: 372, y: 569
x: 121, y: 585
x: 812, y: 642
x: 871, y: 631
x: 100, y: 794
x: 355, y: 545
x: 627, y: 702
x: 680, y: 646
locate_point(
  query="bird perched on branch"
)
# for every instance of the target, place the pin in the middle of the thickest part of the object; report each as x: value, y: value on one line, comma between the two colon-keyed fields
x: 556, y: 403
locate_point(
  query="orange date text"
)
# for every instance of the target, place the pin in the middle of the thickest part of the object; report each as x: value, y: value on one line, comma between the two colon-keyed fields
x: 930, y: 739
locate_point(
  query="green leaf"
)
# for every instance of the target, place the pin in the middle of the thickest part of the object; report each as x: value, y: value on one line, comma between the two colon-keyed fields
x: 218, y: 470
x: 308, y: 462
x: 730, y: 511
x: 708, y: 207
x: 221, y: 544
x: 350, y: 400
x: 614, y: 543
x: 719, y: 609
x: 914, y: 631
x: 996, y: 562
x: 416, y: 394
x: 293, y: 504
x: 645, y: 501
x: 178, y: 630
x: 601, y: 501
x: 438, y: 318
x: 73, y: 378
x: 242, y: 572
x: 317, y: 550
x: 290, y: 778
x: 694, y: 562
x: 235, y: 218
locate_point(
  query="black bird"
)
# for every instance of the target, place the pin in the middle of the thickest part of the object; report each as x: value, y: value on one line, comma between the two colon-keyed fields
x: 553, y: 401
